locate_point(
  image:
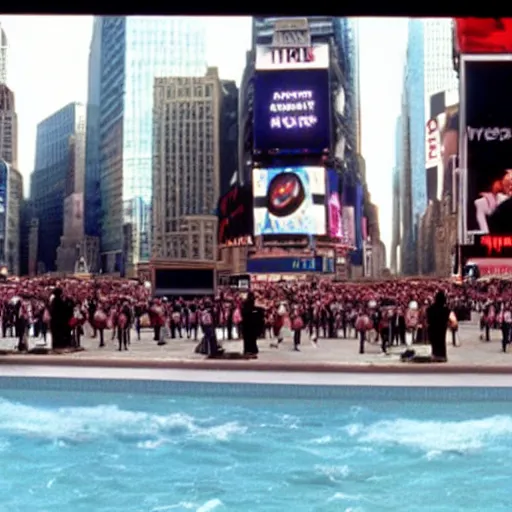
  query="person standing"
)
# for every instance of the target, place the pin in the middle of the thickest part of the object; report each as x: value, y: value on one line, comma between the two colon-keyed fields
x: 250, y: 327
x: 297, y: 326
x: 437, y: 318
x: 506, y: 327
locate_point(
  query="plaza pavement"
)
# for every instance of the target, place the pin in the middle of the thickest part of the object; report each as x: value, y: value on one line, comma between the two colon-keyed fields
x: 329, y: 355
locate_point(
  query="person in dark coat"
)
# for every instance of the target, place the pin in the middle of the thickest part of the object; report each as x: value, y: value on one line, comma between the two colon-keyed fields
x: 437, y: 319
x: 251, y: 327
x: 60, y: 317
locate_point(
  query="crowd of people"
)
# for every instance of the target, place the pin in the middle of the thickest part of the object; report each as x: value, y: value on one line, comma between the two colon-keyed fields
x: 393, y: 312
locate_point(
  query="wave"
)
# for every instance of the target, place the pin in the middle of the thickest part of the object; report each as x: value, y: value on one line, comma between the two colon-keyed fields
x: 82, y: 424
x: 209, y: 506
x: 434, y: 437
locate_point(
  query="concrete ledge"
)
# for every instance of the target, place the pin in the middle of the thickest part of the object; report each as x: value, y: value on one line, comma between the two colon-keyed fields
x: 255, y: 365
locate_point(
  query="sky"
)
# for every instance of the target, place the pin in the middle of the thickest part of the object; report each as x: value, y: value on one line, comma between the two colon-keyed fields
x: 48, y: 61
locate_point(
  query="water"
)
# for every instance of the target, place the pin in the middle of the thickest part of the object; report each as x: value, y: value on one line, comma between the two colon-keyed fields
x: 111, y: 452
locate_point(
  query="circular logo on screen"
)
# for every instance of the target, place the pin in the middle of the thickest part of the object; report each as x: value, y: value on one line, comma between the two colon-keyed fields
x: 285, y: 194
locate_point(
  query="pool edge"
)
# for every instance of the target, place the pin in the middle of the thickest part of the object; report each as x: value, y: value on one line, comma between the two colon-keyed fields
x: 259, y: 366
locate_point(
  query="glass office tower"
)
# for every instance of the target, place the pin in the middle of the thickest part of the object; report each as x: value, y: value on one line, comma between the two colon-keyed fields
x: 135, y: 50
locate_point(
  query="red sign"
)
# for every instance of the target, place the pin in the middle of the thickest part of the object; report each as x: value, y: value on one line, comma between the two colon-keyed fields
x: 484, y: 35
x: 496, y: 244
x: 235, y: 216
x: 433, y: 143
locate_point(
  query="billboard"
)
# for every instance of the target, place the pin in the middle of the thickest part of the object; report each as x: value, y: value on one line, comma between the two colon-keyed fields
x: 320, y: 264
x: 486, y: 143
x: 289, y: 201
x: 292, y: 111
x: 334, y: 205
x: 271, y: 58
x: 234, y: 212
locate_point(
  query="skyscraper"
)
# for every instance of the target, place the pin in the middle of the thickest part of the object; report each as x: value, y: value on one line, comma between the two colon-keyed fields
x: 135, y: 50
x: 428, y: 69
x: 3, y: 56
x: 54, y: 155
x: 8, y: 127
x: 92, y: 211
x: 396, y: 213
x: 186, y: 169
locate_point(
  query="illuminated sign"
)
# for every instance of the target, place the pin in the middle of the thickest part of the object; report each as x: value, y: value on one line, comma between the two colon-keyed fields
x: 496, y: 244
x: 270, y: 58
x: 240, y: 241
x: 315, y: 264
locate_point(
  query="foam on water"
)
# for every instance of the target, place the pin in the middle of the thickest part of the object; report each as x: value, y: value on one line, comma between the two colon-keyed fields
x: 83, y: 424
x: 434, y: 436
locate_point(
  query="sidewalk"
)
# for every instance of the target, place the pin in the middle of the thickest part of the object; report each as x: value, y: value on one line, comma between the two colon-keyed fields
x: 329, y: 355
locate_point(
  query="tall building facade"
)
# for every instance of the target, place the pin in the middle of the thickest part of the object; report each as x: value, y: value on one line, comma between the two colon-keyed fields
x: 428, y: 69
x: 8, y: 127
x: 92, y: 211
x: 186, y: 167
x: 54, y: 156
x: 4, y: 47
x: 135, y: 50
x: 11, y: 196
x: 397, y: 207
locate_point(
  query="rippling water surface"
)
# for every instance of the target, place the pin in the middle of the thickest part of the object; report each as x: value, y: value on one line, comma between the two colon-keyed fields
x: 112, y: 452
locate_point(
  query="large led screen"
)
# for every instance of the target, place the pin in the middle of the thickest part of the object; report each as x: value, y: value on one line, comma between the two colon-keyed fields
x: 292, y: 111
x: 289, y: 201
x: 487, y: 132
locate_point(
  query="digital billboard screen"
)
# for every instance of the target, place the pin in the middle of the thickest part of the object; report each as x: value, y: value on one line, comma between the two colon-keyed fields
x: 487, y: 133
x: 235, y: 215
x: 292, y: 111
x: 334, y: 205
x: 289, y: 201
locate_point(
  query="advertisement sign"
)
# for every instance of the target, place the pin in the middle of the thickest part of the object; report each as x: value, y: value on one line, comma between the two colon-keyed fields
x: 289, y: 201
x: 4, y: 185
x: 486, y: 131
x: 319, y: 264
x: 484, y: 35
x: 292, y: 112
x: 235, y: 216
x: 442, y: 144
x: 432, y: 144
x: 272, y: 58
x: 334, y: 205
